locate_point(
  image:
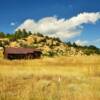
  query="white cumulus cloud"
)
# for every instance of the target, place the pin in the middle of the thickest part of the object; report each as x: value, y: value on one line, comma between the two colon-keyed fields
x: 62, y: 28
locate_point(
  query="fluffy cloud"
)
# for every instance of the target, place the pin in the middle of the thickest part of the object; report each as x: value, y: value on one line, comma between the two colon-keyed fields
x: 81, y: 43
x: 63, y: 28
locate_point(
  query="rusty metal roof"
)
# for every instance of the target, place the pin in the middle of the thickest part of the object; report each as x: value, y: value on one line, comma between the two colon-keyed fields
x: 19, y: 50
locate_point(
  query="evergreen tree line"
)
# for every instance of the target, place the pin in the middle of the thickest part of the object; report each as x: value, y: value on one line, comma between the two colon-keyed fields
x: 88, y: 50
x: 16, y: 35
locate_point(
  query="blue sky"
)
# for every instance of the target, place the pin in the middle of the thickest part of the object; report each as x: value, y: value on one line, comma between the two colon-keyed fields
x: 14, y: 12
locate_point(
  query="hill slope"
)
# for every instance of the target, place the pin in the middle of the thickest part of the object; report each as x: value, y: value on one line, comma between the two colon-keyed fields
x: 50, y: 46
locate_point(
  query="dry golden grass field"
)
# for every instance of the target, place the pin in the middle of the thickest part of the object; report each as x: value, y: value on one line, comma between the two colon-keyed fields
x: 59, y: 78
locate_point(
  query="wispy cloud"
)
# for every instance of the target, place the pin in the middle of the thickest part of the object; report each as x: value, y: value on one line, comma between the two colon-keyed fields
x: 81, y: 43
x: 63, y: 28
x: 12, y: 23
x: 97, y: 41
x: 87, y: 42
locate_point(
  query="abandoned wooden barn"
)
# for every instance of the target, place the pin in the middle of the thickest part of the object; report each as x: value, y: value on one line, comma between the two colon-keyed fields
x: 21, y: 53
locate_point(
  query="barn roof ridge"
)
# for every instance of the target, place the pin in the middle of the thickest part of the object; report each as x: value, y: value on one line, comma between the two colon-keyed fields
x: 19, y: 50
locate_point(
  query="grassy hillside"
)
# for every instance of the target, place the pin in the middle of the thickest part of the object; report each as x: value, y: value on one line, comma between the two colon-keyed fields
x: 50, y: 46
x: 63, y: 78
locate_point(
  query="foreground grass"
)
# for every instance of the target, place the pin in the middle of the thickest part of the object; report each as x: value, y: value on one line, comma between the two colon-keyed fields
x: 63, y: 78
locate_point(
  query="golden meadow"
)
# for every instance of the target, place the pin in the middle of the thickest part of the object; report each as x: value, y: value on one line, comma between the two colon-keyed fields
x: 58, y: 78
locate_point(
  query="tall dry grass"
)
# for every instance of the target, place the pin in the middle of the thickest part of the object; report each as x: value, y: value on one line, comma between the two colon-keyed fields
x: 59, y: 78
